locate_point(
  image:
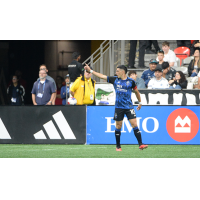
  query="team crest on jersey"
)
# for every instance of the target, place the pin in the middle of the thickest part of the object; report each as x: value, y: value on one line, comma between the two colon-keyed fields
x: 128, y: 83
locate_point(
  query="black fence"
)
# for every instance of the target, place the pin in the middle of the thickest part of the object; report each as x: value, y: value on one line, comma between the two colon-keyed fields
x: 171, y: 97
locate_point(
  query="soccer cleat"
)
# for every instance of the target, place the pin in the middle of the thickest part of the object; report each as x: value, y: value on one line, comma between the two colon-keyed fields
x: 118, y: 149
x: 143, y: 146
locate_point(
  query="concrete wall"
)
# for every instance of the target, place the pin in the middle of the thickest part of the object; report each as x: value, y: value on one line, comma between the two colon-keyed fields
x: 56, y: 63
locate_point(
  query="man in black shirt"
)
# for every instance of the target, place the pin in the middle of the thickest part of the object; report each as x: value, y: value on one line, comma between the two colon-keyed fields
x: 168, y: 72
x: 75, y: 68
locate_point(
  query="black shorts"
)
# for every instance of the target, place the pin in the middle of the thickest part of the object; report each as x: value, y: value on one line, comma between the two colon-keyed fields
x: 119, y: 114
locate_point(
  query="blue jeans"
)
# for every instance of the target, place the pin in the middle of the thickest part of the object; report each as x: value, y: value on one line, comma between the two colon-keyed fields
x: 193, y: 74
x: 177, y: 87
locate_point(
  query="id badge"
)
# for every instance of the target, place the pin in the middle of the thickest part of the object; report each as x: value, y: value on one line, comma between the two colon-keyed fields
x: 91, y: 97
x: 40, y: 95
x: 14, y: 100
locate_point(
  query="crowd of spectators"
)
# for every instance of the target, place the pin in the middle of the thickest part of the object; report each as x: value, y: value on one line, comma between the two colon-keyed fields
x: 161, y: 74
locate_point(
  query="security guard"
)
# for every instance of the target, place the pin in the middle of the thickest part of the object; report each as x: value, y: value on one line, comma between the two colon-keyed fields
x: 75, y: 68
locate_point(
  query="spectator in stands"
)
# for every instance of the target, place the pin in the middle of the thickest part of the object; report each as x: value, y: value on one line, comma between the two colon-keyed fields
x: 149, y: 44
x: 149, y: 73
x: 184, y: 43
x: 195, y: 45
x: 59, y: 84
x: 194, y: 66
x: 75, y: 68
x: 64, y: 90
x: 169, y: 55
x: 16, y: 92
x: 132, y: 53
x: 168, y: 72
x: 160, y: 57
x: 44, y: 67
x: 83, y: 89
x: 158, y: 82
x: 43, y: 91
x: 179, y: 82
x: 139, y: 81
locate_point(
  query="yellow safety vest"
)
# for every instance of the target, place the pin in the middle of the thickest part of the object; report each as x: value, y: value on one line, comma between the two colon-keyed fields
x: 83, y: 90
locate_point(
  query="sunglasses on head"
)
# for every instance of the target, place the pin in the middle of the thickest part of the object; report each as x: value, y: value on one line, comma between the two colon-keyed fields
x: 153, y: 60
x: 160, y: 51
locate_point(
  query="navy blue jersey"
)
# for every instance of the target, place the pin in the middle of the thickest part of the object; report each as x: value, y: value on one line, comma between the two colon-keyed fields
x: 123, y: 89
x: 147, y: 75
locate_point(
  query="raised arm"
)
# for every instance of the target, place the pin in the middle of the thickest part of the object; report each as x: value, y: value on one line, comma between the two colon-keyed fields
x: 99, y: 75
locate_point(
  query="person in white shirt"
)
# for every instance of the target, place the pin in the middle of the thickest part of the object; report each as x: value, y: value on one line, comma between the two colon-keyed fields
x: 158, y: 82
x: 169, y: 55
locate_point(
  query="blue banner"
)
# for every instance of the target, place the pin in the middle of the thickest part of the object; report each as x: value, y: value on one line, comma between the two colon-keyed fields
x: 158, y: 125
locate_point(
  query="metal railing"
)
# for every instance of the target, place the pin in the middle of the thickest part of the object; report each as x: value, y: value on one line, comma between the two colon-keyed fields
x: 108, y: 56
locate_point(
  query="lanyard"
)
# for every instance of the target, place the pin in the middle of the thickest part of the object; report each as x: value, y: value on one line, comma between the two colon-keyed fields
x: 43, y: 86
x: 89, y: 85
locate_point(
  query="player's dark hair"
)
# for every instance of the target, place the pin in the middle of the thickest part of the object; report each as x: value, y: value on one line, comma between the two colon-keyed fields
x: 132, y: 72
x: 123, y: 67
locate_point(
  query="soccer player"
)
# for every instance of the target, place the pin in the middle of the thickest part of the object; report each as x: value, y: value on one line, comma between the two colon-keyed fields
x: 123, y: 105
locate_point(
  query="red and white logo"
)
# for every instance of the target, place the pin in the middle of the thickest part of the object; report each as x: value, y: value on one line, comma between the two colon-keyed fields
x: 182, y: 125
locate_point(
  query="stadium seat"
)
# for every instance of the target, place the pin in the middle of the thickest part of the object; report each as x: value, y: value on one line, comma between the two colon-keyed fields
x: 187, y: 61
x: 178, y: 62
x: 182, y: 53
x: 192, y: 41
x: 183, y: 69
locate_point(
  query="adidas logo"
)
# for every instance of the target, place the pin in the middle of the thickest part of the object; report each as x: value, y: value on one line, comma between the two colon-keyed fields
x: 3, y: 131
x: 52, y: 131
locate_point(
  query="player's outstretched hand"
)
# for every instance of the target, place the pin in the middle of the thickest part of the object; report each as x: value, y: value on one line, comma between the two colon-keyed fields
x: 139, y: 107
x: 87, y: 68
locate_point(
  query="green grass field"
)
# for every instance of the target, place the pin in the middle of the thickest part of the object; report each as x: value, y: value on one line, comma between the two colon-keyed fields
x: 97, y: 151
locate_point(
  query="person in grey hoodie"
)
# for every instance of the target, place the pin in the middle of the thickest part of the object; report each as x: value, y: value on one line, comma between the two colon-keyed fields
x: 139, y: 81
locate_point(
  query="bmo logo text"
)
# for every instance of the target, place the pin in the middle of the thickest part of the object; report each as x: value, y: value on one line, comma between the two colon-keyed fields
x: 111, y: 125
x: 182, y: 125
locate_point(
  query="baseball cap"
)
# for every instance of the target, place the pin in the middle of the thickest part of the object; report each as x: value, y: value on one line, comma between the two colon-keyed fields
x: 123, y: 67
x: 165, y: 65
x: 75, y: 55
x: 67, y: 76
x: 158, y: 68
x: 153, y: 61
